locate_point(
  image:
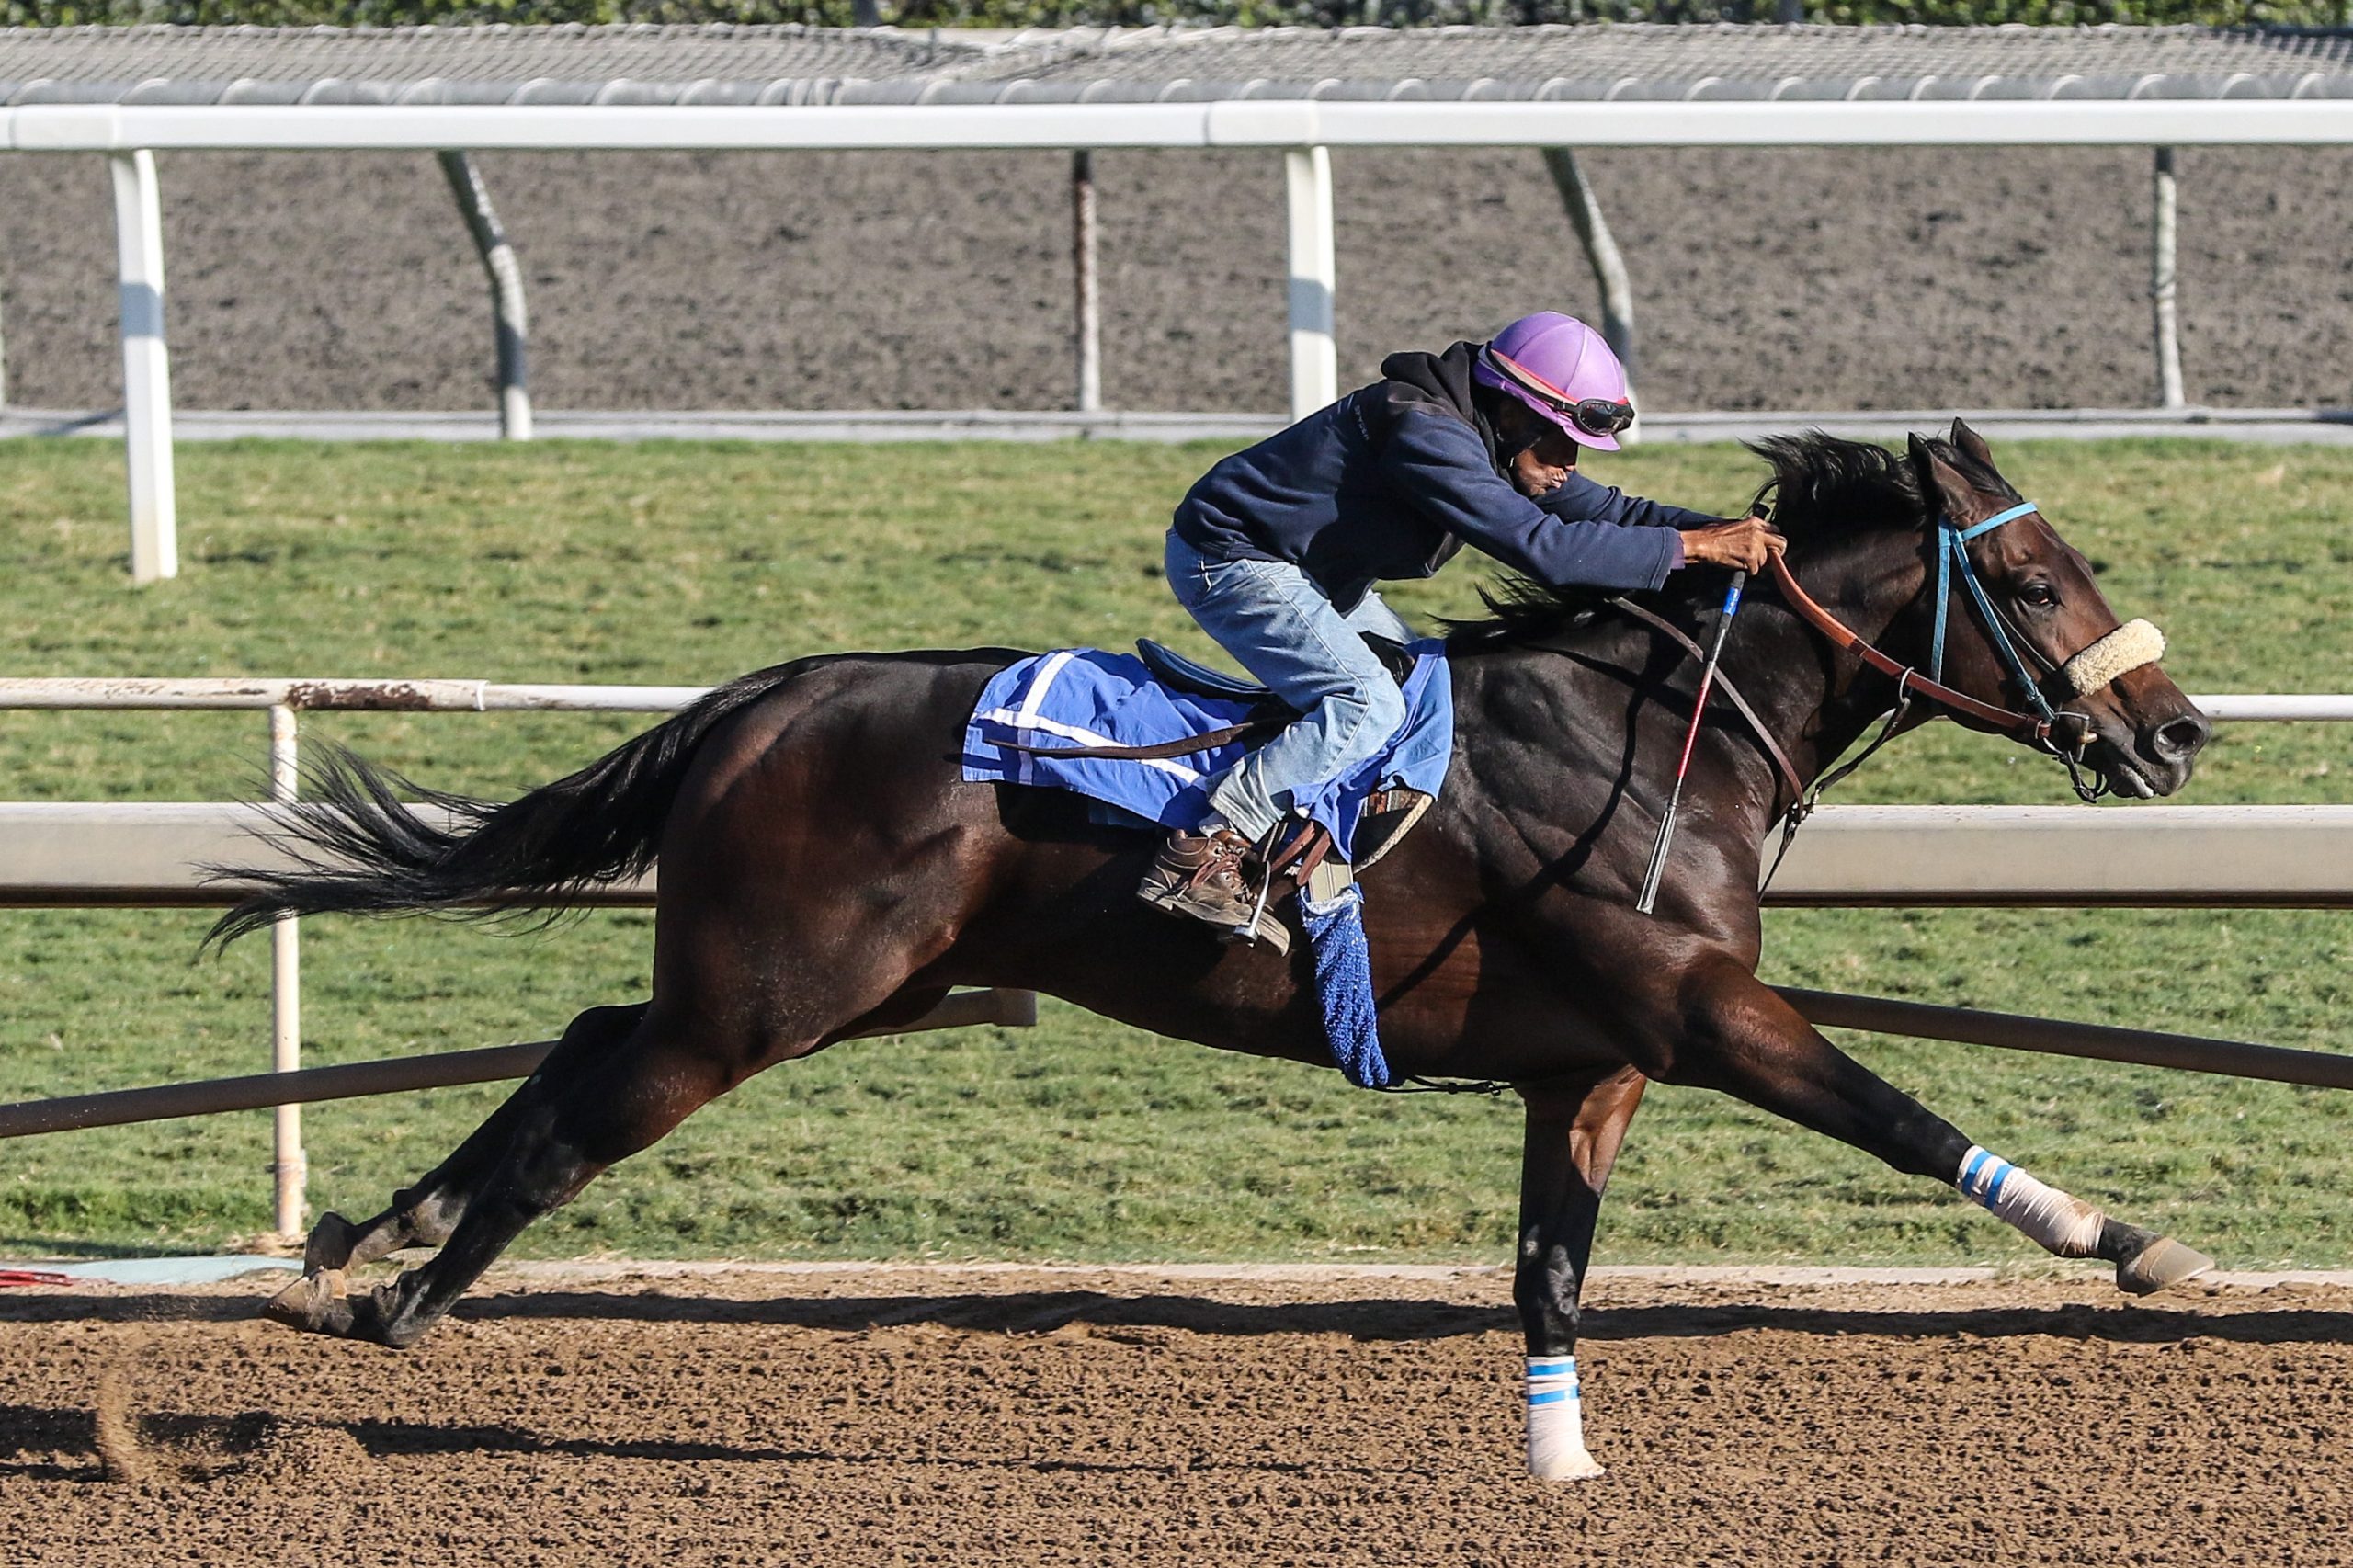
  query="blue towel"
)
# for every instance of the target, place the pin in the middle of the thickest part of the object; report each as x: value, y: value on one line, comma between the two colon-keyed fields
x: 1085, y: 696
x: 1344, y: 987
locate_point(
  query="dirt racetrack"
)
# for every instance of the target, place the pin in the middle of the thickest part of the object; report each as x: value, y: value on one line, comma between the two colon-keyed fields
x: 1889, y: 277
x: 893, y: 1416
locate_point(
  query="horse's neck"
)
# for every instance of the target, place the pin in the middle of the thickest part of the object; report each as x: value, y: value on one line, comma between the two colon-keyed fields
x: 1818, y: 701
x: 1814, y: 702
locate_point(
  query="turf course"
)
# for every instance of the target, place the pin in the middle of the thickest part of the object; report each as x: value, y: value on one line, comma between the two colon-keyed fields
x: 1080, y: 1139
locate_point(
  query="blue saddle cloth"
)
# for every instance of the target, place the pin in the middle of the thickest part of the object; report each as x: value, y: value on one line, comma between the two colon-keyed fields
x: 1087, y: 696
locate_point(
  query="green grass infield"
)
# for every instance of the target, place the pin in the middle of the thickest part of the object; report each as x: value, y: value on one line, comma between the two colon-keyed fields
x: 1079, y: 1138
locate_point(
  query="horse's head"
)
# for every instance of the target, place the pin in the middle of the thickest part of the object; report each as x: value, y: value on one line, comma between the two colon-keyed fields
x: 2116, y: 710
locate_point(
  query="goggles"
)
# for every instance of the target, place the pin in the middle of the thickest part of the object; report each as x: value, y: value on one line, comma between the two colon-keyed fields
x: 1594, y: 415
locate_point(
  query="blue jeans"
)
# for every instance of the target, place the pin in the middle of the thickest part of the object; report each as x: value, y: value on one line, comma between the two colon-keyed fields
x: 1282, y: 629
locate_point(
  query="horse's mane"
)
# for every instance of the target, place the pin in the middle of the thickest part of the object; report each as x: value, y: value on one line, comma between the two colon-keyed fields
x: 1823, y: 488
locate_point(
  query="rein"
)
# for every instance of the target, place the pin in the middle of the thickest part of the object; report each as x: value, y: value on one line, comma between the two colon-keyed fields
x: 1952, y: 550
x: 1723, y: 683
x: 2119, y: 652
x: 2127, y: 648
x: 1908, y: 678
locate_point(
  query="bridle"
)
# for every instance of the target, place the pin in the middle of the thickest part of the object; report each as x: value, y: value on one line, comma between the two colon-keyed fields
x: 2128, y: 647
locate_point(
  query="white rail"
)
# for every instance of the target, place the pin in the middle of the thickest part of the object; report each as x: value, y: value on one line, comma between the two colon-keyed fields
x: 1302, y: 128
x: 151, y: 854
x: 148, y: 854
x: 2142, y: 122
x: 2278, y: 707
x: 438, y: 696
x: 345, y: 695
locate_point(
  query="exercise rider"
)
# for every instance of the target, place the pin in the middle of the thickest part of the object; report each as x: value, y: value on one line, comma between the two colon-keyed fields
x: 1275, y: 552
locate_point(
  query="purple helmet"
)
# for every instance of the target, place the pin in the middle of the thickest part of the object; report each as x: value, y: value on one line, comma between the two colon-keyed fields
x: 1563, y: 369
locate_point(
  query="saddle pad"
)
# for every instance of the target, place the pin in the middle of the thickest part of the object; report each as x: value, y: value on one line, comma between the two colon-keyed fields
x: 1088, y: 697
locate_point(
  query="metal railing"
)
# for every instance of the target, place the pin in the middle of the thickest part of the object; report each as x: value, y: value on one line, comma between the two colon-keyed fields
x: 1302, y: 130
x: 153, y: 855
x: 184, y: 881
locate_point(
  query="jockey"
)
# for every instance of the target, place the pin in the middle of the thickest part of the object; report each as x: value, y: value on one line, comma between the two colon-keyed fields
x: 1276, y: 550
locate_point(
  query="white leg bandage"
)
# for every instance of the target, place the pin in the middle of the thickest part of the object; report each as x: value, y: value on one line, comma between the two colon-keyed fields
x: 2066, y: 1225
x: 1556, y: 1421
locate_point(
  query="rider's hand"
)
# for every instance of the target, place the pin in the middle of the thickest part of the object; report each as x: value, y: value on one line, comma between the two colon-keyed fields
x: 1744, y: 544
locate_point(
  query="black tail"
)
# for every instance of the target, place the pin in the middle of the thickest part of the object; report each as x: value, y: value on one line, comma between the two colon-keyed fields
x: 361, y: 850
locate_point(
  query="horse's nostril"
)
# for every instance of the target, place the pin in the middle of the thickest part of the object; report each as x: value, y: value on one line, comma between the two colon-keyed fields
x: 2181, y: 737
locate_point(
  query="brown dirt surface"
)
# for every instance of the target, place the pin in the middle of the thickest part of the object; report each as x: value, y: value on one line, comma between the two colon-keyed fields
x: 900, y: 1415
x: 1786, y: 279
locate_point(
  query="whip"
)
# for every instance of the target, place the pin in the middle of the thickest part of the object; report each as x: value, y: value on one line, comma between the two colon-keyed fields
x: 1691, y: 738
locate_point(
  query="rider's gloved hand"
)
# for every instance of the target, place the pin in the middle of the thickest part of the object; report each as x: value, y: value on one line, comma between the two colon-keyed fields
x: 1744, y: 544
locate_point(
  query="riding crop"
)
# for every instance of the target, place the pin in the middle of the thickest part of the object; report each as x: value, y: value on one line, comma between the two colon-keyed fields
x: 1691, y: 738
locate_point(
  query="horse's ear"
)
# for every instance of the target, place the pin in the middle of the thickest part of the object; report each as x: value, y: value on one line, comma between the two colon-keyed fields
x: 1972, y: 444
x: 1923, y: 452
x: 1956, y: 496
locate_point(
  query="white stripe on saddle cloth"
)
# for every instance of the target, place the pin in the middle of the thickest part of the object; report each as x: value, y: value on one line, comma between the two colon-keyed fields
x: 1027, y: 717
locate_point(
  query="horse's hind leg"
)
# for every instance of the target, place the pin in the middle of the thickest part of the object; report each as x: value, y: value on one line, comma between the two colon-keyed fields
x: 560, y: 1138
x: 427, y: 1213
x: 1574, y: 1133
x: 1752, y: 1044
x: 424, y: 1214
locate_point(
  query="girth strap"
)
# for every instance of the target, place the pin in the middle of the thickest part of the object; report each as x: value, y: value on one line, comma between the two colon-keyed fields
x: 1790, y: 775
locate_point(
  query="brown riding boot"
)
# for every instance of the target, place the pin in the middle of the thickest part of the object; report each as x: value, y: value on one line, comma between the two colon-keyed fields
x: 1207, y: 876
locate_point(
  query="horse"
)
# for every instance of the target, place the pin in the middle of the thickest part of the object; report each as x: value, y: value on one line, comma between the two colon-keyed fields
x: 825, y: 872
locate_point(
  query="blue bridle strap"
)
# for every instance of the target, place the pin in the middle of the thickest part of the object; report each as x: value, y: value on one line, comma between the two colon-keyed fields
x: 1952, y: 550
x: 1996, y: 521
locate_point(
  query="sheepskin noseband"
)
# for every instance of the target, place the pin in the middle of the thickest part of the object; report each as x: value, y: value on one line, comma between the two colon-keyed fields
x: 2122, y: 651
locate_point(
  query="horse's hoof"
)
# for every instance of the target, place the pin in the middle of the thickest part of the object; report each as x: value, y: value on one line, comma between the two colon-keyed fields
x: 380, y: 1316
x: 329, y: 1246
x: 2161, y: 1264
x: 314, y: 1303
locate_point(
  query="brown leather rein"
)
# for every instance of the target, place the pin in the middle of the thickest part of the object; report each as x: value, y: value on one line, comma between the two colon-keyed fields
x: 1723, y: 685
x: 1907, y: 679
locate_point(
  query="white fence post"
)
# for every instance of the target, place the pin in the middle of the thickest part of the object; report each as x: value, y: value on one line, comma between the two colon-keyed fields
x: 1088, y: 282
x: 2162, y: 279
x: 1314, y: 274
x: 147, y: 369
x: 289, y: 1167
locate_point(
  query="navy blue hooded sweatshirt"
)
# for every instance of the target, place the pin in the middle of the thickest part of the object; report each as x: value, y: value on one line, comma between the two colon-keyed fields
x: 1395, y: 478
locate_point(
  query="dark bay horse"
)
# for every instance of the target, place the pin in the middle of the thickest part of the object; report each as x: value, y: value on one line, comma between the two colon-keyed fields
x: 825, y: 871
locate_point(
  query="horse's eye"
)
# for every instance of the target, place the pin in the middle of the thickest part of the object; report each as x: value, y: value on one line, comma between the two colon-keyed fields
x: 2037, y: 594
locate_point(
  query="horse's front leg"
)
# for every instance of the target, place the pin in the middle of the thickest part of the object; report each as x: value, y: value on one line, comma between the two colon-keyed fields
x: 1574, y: 1132
x: 1734, y: 1033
